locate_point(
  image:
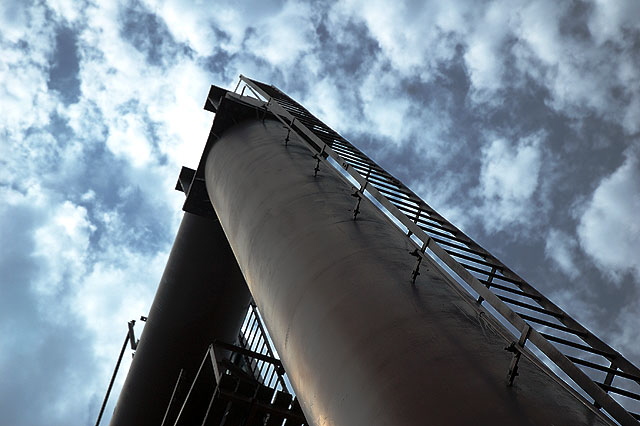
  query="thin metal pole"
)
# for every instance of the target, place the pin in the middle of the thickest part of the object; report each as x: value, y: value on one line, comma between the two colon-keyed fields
x: 173, y: 395
x: 113, y: 378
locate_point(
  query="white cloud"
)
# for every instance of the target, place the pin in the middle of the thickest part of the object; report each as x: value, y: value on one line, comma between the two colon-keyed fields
x: 85, y: 119
x: 183, y: 124
x: 484, y: 55
x: 282, y: 38
x: 625, y: 336
x: 609, y: 230
x: 68, y: 10
x: 509, y: 179
x: 118, y: 288
x: 560, y: 248
x: 581, y: 73
x: 62, y: 244
x: 631, y: 118
x: 197, y: 23
x: 507, y: 45
x: 23, y: 70
x: 14, y: 18
x: 575, y: 303
x: 151, y: 118
x: 96, y: 285
x: 389, y: 112
x: 128, y: 138
x: 131, y: 95
x: 444, y: 198
x: 539, y: 29
x: 414, y: 39
x: 193, y: 24
x: 609, y: 18
x: 385, y: 111
x: 324, y: 101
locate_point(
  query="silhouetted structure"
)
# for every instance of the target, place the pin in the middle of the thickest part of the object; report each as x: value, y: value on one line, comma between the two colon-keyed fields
x: 382, y: 312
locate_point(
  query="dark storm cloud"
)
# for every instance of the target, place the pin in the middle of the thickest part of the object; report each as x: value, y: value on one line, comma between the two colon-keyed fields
x: 574, y: 22
x: 145, y: 230
x: 584, y: 159
x: 149, y: 35
x: 115, y: 194
x: 347, y: 50
x: 458, y: 144
x: 217, y: 63
x: 63, y: 74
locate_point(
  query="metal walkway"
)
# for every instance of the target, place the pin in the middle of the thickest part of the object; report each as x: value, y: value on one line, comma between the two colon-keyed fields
x: 240, y: 384
x: 542, y: 331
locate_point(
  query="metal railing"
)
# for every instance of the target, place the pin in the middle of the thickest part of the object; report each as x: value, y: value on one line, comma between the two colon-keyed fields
x: 588, y: 364
x: 223, y: 392
x: 254, y: 337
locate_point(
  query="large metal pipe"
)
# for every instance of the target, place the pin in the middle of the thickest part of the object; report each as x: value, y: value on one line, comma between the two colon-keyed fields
x: 361, y: 344
x: 202, y: 296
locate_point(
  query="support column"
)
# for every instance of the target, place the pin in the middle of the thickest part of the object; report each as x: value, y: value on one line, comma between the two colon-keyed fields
x: 361, y: 344
x: 202, y: 296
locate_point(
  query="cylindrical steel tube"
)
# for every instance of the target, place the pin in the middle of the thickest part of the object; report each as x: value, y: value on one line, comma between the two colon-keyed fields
x: 361, y: 344
x: 202, y: 296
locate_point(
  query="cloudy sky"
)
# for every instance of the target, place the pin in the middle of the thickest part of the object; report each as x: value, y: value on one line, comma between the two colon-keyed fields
x: 517, y: 120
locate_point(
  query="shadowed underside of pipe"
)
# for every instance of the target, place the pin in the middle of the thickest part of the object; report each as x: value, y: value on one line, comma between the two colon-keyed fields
x: 361, y: 344
x: 202, y: 296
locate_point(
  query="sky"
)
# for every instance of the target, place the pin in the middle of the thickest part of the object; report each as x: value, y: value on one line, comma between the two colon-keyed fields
x: 519, y: 121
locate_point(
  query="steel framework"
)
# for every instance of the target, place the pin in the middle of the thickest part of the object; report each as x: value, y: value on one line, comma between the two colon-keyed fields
x: 258, y: 222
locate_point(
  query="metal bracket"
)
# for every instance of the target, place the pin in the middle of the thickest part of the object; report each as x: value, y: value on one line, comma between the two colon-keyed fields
x: 357, y: 208
x: 416, y: 271
x: 132, y: 335
x: 266, y: 108
x: 318, y: 158
x: 418, y: 254
x: 286, y: 140
x: 516, y: 348
x: 358, y: 194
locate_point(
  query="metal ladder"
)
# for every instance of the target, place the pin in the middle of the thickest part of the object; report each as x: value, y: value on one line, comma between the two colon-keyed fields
x: 579, y: 355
